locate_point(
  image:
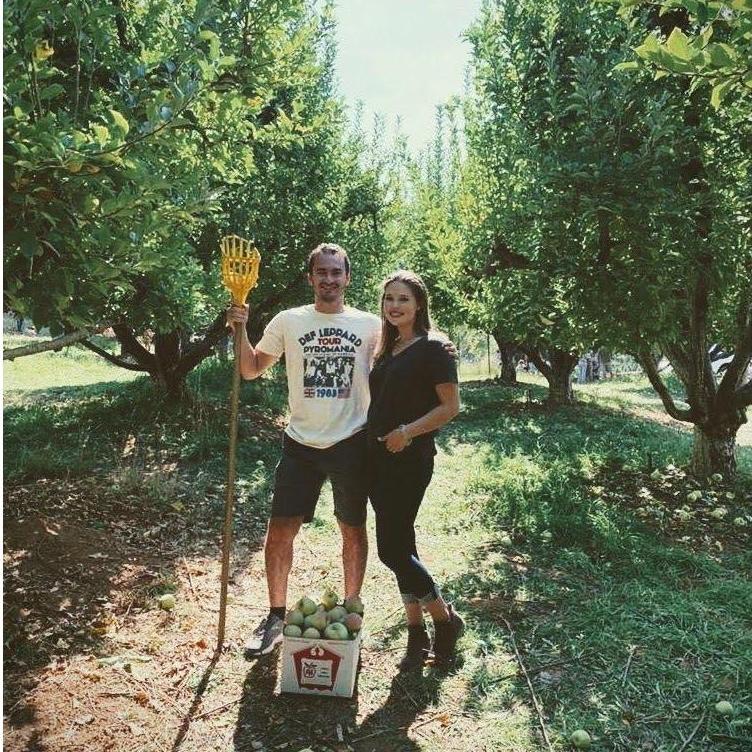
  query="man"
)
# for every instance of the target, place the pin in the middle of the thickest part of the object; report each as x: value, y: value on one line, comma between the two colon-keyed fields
x: 325, y: 436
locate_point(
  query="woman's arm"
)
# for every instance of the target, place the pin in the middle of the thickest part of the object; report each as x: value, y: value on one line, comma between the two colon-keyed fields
x: 449, y: 399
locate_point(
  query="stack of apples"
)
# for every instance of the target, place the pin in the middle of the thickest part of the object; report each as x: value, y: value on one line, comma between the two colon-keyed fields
x: 328, y: 619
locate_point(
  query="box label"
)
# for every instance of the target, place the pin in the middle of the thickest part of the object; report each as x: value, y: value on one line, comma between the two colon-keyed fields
x: 316, y: 667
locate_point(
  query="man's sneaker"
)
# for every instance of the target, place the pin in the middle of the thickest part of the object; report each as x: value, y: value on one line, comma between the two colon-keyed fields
x: 418, y: 645
x: 446, y: 635
x: 266, y: 635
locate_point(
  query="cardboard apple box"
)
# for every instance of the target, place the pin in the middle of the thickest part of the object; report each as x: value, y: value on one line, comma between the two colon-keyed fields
x: 327, y: 668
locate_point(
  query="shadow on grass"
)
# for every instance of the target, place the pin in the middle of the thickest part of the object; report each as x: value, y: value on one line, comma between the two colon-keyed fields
x: 108, y: 489
x: 628, y: 631
x: 303, y: 720
x: 287, y: 720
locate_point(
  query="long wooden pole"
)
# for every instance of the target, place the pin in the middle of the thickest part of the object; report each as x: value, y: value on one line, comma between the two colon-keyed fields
x: 230, y: 497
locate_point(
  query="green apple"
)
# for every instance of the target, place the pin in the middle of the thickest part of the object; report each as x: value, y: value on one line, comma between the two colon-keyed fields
x: 580, y: 739
x: 329, y: 599
x: 354, y: 605
x: 719, y: 513
x: 338, y: 613
x: 292, y: 630
x: 306, y: 605
x: 740, y: 522
x: 724, y: 707
x: 656, y: 475
x: 716, y: 478
x: 295, y: 617
x: 336, y: 631
x: 317, y: 620
x: 166, y: 601
x: 694, y: 495
x: 312, y: 634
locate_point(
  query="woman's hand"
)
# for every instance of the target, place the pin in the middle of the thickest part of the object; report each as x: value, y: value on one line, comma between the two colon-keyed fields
x: 237, y: 315
x: 396, y: 440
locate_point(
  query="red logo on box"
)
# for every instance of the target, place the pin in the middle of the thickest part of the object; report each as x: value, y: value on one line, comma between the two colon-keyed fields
x: 316, y: 667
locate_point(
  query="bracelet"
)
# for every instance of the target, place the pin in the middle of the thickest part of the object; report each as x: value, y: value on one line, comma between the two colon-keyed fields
x: 403, y: 428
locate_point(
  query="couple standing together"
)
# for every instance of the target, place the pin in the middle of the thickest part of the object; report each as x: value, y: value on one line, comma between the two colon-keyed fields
x: 366, y: 394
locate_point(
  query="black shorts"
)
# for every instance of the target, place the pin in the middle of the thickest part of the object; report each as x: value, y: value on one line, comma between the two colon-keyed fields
x: 302, y: 471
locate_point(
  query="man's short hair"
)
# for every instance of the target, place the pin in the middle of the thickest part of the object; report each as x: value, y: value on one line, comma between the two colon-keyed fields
x: 331, y: 249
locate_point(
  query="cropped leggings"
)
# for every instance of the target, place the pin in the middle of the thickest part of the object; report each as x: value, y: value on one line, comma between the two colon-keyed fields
x: 397, y: 486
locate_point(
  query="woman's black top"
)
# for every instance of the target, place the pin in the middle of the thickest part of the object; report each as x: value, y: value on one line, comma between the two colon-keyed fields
x: 403, y: 389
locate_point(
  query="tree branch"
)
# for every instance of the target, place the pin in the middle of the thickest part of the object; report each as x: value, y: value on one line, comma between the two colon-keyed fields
x: 742, y: 353
x: 534, y: 354
x: 112, y: 359
x: 133, y: 347
x: 743, y: 396
x: 200, y: 350
x: 645, y: 359
x: 58, y: 343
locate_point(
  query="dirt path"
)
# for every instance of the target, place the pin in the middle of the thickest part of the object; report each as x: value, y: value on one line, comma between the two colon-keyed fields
x: 92, y: 663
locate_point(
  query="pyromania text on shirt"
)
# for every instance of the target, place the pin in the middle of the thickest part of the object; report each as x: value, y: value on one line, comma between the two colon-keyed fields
x: 328, y: 362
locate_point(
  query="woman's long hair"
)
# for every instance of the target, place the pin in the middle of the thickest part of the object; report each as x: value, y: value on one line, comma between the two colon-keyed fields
x: 389, y: 332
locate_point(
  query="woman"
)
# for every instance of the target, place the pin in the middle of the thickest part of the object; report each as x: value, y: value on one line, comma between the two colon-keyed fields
x: 413, y: 393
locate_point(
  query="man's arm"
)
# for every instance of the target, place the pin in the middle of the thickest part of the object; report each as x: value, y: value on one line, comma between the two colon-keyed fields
x: 253, y: 362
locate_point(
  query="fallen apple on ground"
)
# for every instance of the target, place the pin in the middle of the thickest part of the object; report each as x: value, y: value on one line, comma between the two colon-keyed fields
x: 580, y: 739
x: 724, y: 707
x: 166, y: 601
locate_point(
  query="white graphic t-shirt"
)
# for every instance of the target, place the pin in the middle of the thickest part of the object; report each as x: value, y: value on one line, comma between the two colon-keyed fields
x: 328, y: 357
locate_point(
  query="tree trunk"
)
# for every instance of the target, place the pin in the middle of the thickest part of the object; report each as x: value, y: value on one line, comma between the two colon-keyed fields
x: 714, y: 451
x: 507, y: 354
x: 560, y: 378
x: 557, y: 370
x: 508, y: 366
x: 167, y: 349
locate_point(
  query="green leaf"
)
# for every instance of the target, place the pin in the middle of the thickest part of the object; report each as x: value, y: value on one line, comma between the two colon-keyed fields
x: 120, y: 122
x: 101, y: 133
x: 719, y: 92
x: 51, y: 91
x: 722, y: 55
x: 628, y: 65
x: 678, y: 44
x: 648, y: 48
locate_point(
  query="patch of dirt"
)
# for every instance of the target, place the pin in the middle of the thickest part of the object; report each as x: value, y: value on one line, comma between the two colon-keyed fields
x: 93, y: 664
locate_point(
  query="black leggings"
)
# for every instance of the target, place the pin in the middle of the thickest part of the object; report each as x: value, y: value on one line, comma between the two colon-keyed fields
x: 396, y: 490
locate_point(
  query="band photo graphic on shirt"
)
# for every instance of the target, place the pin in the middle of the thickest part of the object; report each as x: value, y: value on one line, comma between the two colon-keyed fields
x: 328, y: 375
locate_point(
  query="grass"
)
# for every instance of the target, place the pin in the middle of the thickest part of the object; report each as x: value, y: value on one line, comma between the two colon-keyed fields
x: 72, y: 366
x: 631, y: 620
x: 591, y: 585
